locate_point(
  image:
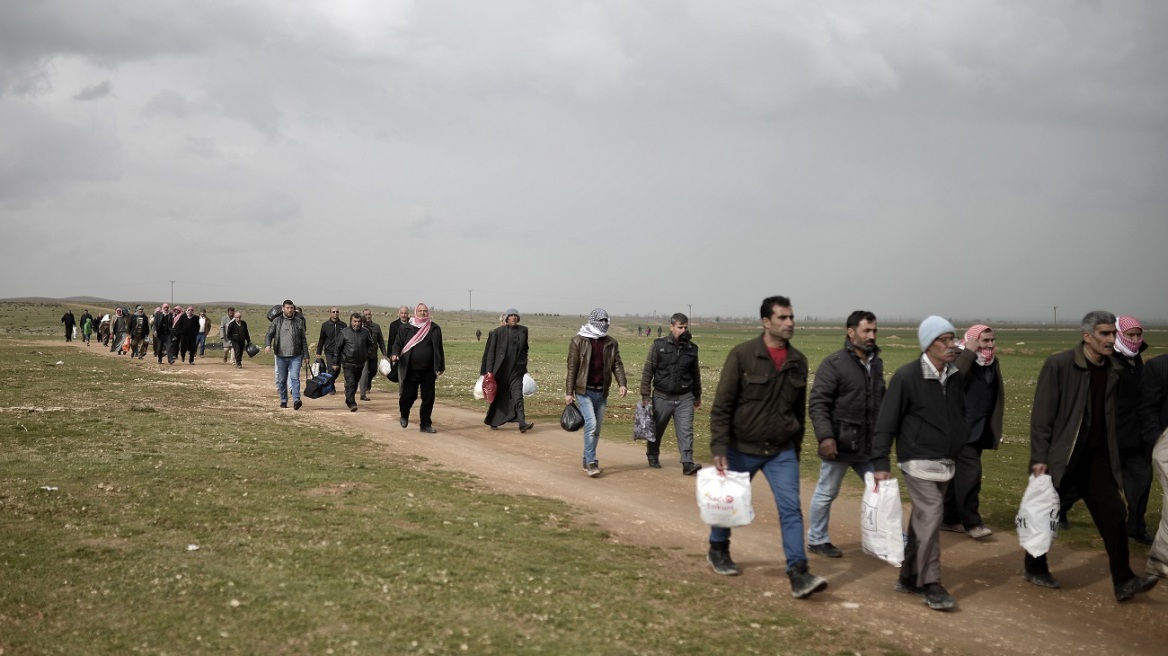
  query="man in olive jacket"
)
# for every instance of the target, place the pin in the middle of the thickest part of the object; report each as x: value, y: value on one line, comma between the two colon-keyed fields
x: 756, y: 424
x: 1073, y: 438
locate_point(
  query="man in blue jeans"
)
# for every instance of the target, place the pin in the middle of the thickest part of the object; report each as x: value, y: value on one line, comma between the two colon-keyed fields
x: 286, y: 335
x: 756, y: 424
x: 593, y: 360
x: 845, y: 400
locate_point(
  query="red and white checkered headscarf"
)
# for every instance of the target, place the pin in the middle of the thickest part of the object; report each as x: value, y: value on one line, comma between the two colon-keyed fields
x: 985, y: 357
x: 1124, y: 345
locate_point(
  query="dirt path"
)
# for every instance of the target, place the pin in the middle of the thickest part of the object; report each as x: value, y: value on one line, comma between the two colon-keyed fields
x: 997, y: 612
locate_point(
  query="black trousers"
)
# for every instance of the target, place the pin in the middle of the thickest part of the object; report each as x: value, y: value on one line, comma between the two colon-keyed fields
x: 237, y: 346
x: 1092, y: 481
x: 1137, y: 485
x: 368, y: 374
x: 962, y: 496
x: 352, y: 382
x: 411, y: 381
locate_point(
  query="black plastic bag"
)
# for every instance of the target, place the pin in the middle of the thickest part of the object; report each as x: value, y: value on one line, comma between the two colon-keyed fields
x: 571, y: 420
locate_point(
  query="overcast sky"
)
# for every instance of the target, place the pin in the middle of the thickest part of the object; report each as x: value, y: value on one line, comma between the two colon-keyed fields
x: 973, y: 159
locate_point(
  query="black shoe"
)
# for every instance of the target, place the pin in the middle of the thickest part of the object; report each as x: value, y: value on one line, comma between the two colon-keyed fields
x: 1134, y: 586
x: 804, y: 583
x: 523, y: 428
x: 353, y: 408
x: 428, y: 429
x: 719, y: 559
x: 937, y: 597
x: 1141, y: 538
x: 1064, y: 523
x: 494, y: 428
x: 364, y: 398
x: 955, y: 527
x: 654, y: 462
x: 283, y: 404
x: 908, y: 587
x: 827, y: 550
x: 297, y: 405
x: 404, y: 422
x: 1042, y: 580
x: 690, y: 468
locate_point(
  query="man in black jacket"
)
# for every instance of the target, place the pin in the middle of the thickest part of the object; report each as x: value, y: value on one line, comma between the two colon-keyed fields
x: 923, y: 412
x: 188, y: 331
x: 403, y: 318
x: 330, y: 330
x: 161, y: 330
x: 418, y: 352
x: 350, y: 351
x: 1154, y: 424
x: 378, y: 345
x: 286, y: 336
x: 671, y: 372
x: 139, y: 333
x: 239, y: 336
x: 845, y: 399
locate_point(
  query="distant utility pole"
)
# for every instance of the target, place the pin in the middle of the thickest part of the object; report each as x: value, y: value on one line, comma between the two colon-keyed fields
x: 1056, y: 315
x: 470, y: 299
x: 172, y: 292
x: 690, y: 306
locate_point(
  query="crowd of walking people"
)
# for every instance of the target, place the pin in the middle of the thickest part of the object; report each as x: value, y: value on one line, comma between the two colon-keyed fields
x: 1098, y: 425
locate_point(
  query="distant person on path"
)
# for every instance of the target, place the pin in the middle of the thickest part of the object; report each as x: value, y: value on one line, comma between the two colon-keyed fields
x: 421, y: 359
x: 349, y: 352
x: 119, y: 328
x: 139, y: 333
x: 1154, y: 424
x: 70, y: 323
x: 288, y: 336
x: 985, y: 400
x: 658, y: 332
x: 923, y: 412
x: 1073, y: 428
x: 478, y: 335
x: 239, y: 337
x: 204, y: 330
x: 162, y: 331
x: 756, y: 424
x: 378, y: 346
x: 845, y: 401
x: 87, y: 326
x: 671, y: 383
x: 593, y: 360
x: 188, y: 329
x: 223, y: 332
x: 103, y: 330
x: 506, y: 358
x: 330, y: 331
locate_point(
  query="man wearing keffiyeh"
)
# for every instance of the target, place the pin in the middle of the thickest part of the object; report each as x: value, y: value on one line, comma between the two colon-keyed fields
x: 418, y: 351
x: 593, y: 360
x: 1135, y: 454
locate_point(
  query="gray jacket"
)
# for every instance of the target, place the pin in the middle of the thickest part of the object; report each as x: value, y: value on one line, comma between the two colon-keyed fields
x: 298, y: 334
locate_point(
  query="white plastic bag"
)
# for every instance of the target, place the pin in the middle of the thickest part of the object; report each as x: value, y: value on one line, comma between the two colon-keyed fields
x: 478, y: 389
x: 724, y: 500
x: 529, y: 386
x: 882, y: 520
x: 384, y: 366
x: 1038, y: 515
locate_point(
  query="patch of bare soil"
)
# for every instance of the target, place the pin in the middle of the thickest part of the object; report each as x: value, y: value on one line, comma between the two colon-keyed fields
x: 997, y: 611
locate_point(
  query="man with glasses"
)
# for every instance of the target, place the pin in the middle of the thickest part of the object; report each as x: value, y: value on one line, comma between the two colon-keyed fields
x: 330, y: 331
x: 593, y: 360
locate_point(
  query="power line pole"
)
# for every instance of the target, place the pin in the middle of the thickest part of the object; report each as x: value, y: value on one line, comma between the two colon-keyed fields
x: 470, y: 299
x: 1056, y: 315
x: 690, y: 306
x: 172, y: 292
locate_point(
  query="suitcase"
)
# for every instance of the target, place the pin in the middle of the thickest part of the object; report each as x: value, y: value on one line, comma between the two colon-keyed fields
x: 320, y: 385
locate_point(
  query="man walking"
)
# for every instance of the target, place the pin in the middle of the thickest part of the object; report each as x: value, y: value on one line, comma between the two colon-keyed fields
x: 845, y: 400
x: 287, y: 336
x: 593, y: 360
x: 403, y: 318
x: 188, y: 330
x: 227, y: 318
x: 349, y: 352
x: 204, y: 330
x: 139, y: 333
x: 1073, y: 438
x: 120, y: 329
x: 239, y: 336
x: 1154, y: 424
x: 70, y: 322
x: 672, y: 374
x: 330, y: 331
x: 378, y: 346
x: 1135, y: 454
x: 506, y: 358
x: 756, y: 424
x: 161, y: 329
x: 985, y: 400
x: 421, y: 359
x: 923, y: 413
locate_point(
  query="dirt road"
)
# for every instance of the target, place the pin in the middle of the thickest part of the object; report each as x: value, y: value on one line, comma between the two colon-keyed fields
x: 997, y: 612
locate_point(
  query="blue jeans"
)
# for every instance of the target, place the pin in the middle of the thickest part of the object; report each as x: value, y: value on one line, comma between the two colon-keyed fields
x: 592, y: 406
x: 288, y: 374
x: 831, y: 475
x: 201, y: 343
x: 782, y: 472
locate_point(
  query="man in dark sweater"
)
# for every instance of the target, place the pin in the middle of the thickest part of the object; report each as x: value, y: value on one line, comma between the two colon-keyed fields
x: 1073, y: 438
x: 923, y: 413
x: 349, y: 351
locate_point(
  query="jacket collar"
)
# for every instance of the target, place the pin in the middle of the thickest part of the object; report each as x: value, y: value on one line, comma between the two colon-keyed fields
x: 1081, y: 359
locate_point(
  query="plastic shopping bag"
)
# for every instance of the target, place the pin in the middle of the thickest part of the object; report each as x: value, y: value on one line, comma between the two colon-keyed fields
x: 490, y: 387
x: 1038, y: 515
x: 644, y: 427
x: 882, y: 520
x: 384, y: 366
x: 571, y: 419
x: 724, y: 498
x: 478, y: 389
x: 529, y: 386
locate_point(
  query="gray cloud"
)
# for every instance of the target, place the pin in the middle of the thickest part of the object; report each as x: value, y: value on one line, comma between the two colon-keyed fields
x: 100, y: 90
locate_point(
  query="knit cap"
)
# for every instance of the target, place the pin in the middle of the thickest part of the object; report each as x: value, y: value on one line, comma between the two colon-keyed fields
x: 931, y: 328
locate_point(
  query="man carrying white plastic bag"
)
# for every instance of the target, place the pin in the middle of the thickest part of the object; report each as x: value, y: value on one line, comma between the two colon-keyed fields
x: 882, y: 520
x: 1038, y: 515
x: 724, y: 498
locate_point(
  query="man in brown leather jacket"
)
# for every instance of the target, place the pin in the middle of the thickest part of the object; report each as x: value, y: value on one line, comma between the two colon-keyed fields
x: 593, y: 360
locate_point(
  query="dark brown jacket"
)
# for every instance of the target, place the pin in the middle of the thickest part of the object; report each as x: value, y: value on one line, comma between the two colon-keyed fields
x: 966, y: 359
x: 1061, y: 413
x: 758, y: 410
x: 580, y: 354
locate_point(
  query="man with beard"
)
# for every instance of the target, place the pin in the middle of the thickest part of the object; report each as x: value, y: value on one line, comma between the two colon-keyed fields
x: 119, y: 329
x: 188, y: 331
x: 239, y: 336
x: 162, y: 331
x: 421, y: 359
x: 378, y: 345
x: 287, y: 336
x: 672, y: 374
x: 845, y: 400
x: 350, y: 349
x: 403, y: 318
x: 227, y: 318
x: 985, y: 398
x: 1073, y: 428
x: 506, y: 358
x: 139, y: 333
x: 593, y: 360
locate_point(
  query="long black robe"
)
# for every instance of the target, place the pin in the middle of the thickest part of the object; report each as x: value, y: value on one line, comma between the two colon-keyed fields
x: 506, y: 358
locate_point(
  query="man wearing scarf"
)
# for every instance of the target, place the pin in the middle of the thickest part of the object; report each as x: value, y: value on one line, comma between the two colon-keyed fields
x: 506, y: 358
x: 985, y: 396
x: 139, y: 333
x: 417, y: 350
x: 119, y: 328
x: 593, y: 359
x: 1135, y: 453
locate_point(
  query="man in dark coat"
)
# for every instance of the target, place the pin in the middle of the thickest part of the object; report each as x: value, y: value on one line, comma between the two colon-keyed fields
x: 350, y: 352
x: 69, y: 322
x: 506, y: 358
x: 162, y: 332
x: 1154, y: 424
x: 1135, y: 453
x: 330, y: 330
x: 139, y: 333
x: 403, y: 318
x: 418, y: 351
x: 239, y: 337
x: 371, y: 361
x: 188, y: 332
x: 671, y: 385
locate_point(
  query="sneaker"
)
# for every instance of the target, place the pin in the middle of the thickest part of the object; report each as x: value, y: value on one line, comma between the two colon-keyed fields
x: 690, y: 468
x: 978, y: 532
x: 1134, y: 586
x: 804, y: 583
x: 297, y: 405
x: 593, y: 469
x: 953, y: 528
x: 937, y: 597
x: 1157, y: 568
x: 719, y: 559
x: 827, y: 550
x: 654, y: 462
x: 1042, y: 580
x: 908, y: 587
